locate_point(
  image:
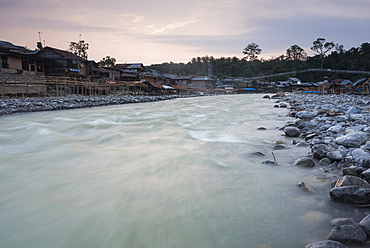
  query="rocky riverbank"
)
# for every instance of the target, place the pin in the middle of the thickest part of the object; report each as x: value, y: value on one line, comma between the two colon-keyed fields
x: 18, y: 105
x: 337, y: 129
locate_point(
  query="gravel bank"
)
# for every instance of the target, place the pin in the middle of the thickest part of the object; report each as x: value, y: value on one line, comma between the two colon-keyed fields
x: 337, y: 130
x: 18, y: 105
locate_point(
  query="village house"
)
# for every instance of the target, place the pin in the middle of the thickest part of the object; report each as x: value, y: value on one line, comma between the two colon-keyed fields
x: 182, y: 80
x: 130, y: 72
x: 19, y: 60
x: 63, y: 63
x: 202, y: 82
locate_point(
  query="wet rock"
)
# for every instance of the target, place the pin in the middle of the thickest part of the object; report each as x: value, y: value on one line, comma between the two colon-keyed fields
x: 365, y: 225
x: 266, y: 96
x: 291, y: 131
x: 353, y: 195
x: 352, y: 110
x: 304, y: 162
x: 366, y: 175
x: 352, y: 181
x: 305, y: 187
x: 348, y: 234
x: 301, y: 144
x: 326, y: 244
x: 349, y: 171
x: 279, y: 144
x: 325, y: 161
x: 320, y: 151
x: 261, y: 128
x: 353, y: 139
x: 258, y: 154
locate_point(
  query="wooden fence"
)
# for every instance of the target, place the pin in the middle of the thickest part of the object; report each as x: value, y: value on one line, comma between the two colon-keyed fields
x: 18, y: 85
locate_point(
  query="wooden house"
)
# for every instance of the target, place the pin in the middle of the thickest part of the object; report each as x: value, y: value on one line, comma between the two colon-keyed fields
x: 153, y: 76
x: 64, y: 63
x: 182, y: 80
x: 361, y: 86
x: 19, y: 60
x: 202, y: 82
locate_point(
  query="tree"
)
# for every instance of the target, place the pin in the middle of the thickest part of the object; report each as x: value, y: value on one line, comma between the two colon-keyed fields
x: 252, y: 50
x: 39, y: 45
x: 107, y: 62
x: 296, y: 53
x: 79, y: 48
x: 322, y: 47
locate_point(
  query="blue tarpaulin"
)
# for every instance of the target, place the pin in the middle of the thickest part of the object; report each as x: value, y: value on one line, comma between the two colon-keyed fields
x: 312, y: 91
x: 249, y: 89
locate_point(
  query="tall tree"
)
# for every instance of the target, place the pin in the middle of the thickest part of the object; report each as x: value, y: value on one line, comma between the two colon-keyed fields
x: 296, y: 54
x: 79, y: 48
x: 108, y: 61
x: 252, y: 50
x: 322, y: 47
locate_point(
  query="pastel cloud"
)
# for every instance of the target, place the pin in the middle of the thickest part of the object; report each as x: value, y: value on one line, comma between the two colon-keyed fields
x: 165, y: 30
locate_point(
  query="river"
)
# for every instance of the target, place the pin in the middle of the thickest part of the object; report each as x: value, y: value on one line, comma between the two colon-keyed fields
x: 178, y: 173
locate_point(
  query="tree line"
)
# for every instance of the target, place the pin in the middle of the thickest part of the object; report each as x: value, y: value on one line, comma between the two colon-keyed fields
x: 327, y: 55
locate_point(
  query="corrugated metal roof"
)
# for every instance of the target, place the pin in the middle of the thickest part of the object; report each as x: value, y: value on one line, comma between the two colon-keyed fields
x: 64, y: 54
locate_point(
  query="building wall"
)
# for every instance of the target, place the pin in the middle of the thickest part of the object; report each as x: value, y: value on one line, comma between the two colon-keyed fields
x: 15, y: 63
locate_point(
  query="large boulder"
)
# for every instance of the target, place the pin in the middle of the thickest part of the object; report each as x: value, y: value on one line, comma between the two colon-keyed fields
x: 352, y: 181
x: 353, y: 139
x: 320, y: 151
x: 326, y: 244
x: 348, y: 234
x: 353, y: 195
x: 291, y: 131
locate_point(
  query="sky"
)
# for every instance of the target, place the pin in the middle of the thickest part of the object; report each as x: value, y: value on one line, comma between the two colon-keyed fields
x: 157, y: 31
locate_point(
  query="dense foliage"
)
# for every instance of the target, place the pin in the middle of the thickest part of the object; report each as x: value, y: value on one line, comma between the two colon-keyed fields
x: 356, y: 58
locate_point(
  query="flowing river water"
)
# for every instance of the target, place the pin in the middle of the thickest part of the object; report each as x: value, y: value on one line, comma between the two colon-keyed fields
x: 178, y: 173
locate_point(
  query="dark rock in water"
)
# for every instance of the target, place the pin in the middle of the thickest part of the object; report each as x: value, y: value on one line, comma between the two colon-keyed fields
x: 365, y: 224
x: 291, y: 131
x: 305, y: 187
x: 302, y: 144
x: 353, y: 195
x: 283, y: 105
x: 269, y: 162
x: 304, y: 162
x: 325, y: 161
x: 266, y: 96
x: 278, y: 144
x: 261, y: 128
x: 326, y: 244
x: 352, y: 139
x: 348, y: 234
x: 320, y: 151
x: 258, y: 154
